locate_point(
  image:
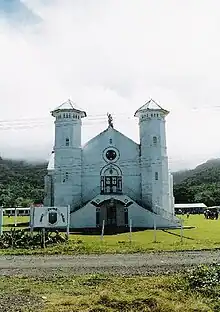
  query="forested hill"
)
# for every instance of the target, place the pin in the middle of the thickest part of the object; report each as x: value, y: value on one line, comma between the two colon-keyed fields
x: 22, y: 183
x: 204, y: 169
x: 201, y: 184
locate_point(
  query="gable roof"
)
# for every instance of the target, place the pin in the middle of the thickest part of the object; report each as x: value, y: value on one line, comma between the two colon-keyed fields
x: 69, y: 105
x: 103, y: 132
x: 150, y: 105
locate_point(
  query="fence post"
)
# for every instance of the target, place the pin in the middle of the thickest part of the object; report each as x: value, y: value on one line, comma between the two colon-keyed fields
x: 15, y: 218
x: 1, y: 221
x: 130, y: 230
x: 103, y: 228
x: 43, y: 238
x: 68, y: 222
x: 155, y: 231
x: 181, y: 230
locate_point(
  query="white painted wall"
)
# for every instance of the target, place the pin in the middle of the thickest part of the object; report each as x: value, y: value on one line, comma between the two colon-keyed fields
x: 154, y: 160
x: 84, y: 217
x: 93, y: 162
x: 144, y: 218
x: 68, y: 158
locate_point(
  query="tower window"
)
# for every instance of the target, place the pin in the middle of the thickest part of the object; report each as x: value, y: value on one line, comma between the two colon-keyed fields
x: 67, y: 142
x: 155, y: 140
x: 66, y: 177
x: 110, y: 141
x: 156, y: 176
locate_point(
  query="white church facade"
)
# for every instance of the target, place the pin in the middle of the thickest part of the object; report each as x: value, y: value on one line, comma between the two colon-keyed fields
x: 111, y: 177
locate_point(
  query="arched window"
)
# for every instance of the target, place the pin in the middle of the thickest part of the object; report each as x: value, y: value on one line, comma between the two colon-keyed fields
x: 65, y: 177
x: 155, y: 140
x: 111, y: 180
x: 67, y: 142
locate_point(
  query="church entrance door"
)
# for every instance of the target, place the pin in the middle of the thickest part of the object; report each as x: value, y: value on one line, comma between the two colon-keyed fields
x: 111, y: 216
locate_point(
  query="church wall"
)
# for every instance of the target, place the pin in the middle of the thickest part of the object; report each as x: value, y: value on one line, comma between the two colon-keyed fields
x: 103, y: 214
x: 143, y: 218
x: 120, y: 214
x: 154, y: 161
x: 48, y: 189
x: 84, y: 217
x: 67, y: 160
x: 171, y: 193
x: 67, y: 184
x: 93, y: 162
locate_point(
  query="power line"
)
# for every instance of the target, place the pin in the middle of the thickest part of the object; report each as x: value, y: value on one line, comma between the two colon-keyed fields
x: 97, y: 116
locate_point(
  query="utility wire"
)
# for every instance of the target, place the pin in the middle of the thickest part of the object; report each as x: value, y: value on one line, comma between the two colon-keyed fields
x: 93, y: 117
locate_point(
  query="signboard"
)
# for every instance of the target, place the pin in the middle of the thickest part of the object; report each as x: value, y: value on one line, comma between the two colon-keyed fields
x: 50, y: 217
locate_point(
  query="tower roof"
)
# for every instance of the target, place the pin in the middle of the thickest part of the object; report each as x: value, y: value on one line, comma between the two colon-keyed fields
x: 151, y: 105
x: 69, y: 106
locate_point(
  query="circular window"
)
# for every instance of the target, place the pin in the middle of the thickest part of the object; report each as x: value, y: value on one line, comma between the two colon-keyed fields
x: 111, y: 155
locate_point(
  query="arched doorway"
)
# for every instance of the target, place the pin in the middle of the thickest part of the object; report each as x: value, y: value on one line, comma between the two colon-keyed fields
x: 113, y: 212
x: 111, y: 180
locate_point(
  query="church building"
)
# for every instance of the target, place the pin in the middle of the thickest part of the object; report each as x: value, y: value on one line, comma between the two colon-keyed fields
x: 111, y: 177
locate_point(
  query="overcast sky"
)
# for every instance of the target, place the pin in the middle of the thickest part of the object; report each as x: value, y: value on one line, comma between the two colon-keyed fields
x: 110, y: 56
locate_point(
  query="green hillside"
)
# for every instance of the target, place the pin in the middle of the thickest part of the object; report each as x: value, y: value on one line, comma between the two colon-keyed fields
x: 22, y: 183
x: 201, y: 184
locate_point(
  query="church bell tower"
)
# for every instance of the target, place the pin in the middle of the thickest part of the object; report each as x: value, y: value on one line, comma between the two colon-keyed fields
x: 153, y: 160
x: 68, y: 154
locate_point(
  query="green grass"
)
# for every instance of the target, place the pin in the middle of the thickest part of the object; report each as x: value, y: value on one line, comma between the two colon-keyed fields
x: 96, y: 293
x: 20, y: 219
x: 205, y: 235
x: 9, y: 222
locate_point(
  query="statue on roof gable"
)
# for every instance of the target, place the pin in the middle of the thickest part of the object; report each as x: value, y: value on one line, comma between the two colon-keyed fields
x: 110, y: 120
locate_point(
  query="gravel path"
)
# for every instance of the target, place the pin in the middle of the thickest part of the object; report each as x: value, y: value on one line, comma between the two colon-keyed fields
x: 144, y: 264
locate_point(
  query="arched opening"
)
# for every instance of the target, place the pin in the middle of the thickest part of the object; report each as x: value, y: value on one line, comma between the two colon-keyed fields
x: 113, y: 212
x: 111, y: 180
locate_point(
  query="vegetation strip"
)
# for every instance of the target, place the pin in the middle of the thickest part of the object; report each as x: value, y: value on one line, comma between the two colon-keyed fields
x: 195, y: 290
x: 204, y: 234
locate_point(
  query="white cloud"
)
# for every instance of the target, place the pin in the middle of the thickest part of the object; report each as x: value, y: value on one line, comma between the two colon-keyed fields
x: 113, y: 55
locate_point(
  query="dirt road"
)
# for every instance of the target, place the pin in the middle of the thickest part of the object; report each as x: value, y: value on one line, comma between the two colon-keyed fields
x: 144, y: 264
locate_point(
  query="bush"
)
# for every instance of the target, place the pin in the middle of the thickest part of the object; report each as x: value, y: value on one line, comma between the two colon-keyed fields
x: 204, y: 279
x: 23, y: 239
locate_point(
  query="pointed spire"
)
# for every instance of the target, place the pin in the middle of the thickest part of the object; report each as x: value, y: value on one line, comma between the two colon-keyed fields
x: 67, y: 106
x: 150, y: 105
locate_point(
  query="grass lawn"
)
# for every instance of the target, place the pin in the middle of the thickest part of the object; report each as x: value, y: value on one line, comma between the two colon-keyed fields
x: 205, y: 235
x: 9, y: 222
x: 97, y: 293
